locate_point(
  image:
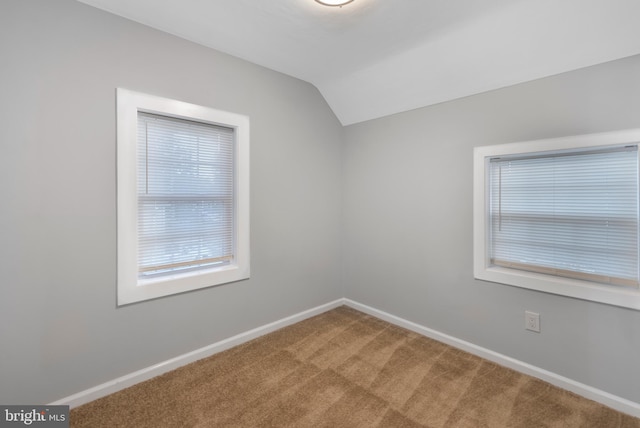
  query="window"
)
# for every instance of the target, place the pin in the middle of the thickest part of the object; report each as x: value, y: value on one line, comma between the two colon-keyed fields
x: 560, y: 216
x: 183, y: 197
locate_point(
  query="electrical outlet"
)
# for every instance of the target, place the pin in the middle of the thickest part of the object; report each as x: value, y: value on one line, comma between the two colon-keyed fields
x: 532, y: 321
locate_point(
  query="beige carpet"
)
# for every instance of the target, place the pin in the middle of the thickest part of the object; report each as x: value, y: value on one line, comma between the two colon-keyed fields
x: 345, y: 369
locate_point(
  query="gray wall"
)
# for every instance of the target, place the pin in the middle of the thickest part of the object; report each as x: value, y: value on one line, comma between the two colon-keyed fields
x: 60, y: 330
x: 407, y: 226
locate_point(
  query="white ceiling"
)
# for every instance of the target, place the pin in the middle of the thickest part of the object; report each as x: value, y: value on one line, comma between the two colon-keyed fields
x: 373, y: 58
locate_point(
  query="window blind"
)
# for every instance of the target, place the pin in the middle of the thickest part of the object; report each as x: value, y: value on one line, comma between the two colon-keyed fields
x: 185, y: 195
x: 572, y: 214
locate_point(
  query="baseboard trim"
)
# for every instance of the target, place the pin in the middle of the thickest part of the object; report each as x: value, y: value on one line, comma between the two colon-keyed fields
x: 99, y: 391
x: 131, y: 379
x: 603, y: 397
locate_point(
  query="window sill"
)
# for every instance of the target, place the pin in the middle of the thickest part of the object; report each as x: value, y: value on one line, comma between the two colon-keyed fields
x: 167, y: 285
x: 585, y: 290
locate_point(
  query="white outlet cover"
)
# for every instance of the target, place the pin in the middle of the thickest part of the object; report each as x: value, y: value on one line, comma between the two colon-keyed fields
x: 532, y: 321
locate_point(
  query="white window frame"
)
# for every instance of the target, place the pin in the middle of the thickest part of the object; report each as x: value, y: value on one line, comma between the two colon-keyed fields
x: 130, y: 288
x: 608, y: 294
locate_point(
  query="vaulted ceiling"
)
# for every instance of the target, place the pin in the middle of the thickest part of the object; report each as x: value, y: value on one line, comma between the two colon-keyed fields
x: 372, y: 58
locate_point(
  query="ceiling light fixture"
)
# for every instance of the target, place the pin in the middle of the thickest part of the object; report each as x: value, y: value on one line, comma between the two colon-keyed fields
x: 339, y: 3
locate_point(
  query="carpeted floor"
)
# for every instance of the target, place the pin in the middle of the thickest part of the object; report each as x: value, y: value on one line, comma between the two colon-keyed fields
x: 344, y: 368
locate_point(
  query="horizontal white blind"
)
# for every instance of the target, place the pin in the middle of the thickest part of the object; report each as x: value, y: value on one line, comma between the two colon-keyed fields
x: 185, y: 195
x: 567, y: 214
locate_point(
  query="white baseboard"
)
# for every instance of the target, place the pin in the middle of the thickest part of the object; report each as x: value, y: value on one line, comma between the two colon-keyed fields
x: 131, y: 379
x: 610, y: 400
